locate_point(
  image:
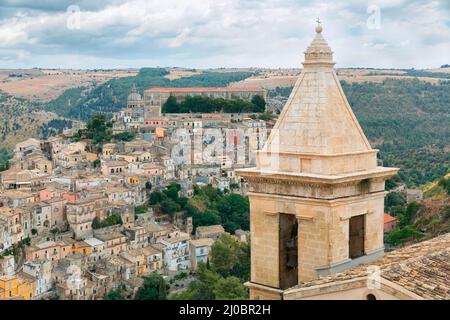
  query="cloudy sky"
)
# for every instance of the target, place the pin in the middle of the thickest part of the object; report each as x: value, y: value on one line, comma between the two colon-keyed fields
x: 221, y: 33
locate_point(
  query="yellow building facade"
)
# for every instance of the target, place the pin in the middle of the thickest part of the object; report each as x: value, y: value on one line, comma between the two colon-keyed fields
x: 21, y: 286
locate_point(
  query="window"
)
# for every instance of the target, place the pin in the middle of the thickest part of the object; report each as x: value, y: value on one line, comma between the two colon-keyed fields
x: 371, y: 297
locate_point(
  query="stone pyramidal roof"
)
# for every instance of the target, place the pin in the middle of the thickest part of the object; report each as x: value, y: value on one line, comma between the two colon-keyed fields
x: 317, y: 132
x: 317, y: 118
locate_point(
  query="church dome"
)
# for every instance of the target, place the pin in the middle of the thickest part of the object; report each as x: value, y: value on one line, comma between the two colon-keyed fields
x: 134, y: 95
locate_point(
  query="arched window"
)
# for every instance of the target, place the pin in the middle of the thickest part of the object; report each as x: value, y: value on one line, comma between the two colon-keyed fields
x: 371, y: 297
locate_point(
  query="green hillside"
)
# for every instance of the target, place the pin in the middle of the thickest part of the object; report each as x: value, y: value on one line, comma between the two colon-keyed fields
x: 408, y: 120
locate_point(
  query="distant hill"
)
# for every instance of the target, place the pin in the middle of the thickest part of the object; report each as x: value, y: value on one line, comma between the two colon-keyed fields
x: 434, y: 216
x: 20, y: 119
x: 83, y: 103
x: 420, y: 220
x: 438, y: 189
x: 407, y: 119
x: 43, y: 85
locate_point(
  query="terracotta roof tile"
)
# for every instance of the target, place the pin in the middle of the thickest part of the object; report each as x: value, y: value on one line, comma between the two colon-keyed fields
x: 422, y: 268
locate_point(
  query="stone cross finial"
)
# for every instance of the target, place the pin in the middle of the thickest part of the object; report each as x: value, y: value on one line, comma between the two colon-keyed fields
x: 319, y: 25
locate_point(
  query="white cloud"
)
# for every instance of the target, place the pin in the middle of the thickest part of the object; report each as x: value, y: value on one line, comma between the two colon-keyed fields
x: 214, y: 33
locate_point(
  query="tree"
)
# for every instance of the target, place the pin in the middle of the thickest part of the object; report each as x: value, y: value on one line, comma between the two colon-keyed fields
x: 230, y: 210
x: 169, y: 206
x: 394, y: 199
x: 203, y: 287
x: 97, y: 129
x: 140, y: 210
x: 399, y: 236
x: 27, y: 241
x: 96, y: 163
x: 206, y: 218
x: 223, y: 276
x: 234, y: 186
x: 111, y: 220
x: 4, y: 159
x: 230, y: 288
x: 234, y: 212
x: 172, y: 191
x: 114, y: 295
x: 154, y: 288
x: 266, y: 116
x: 411, y: 210
x: 171, y: 105
x: 185, y: 295
x: 259, y: 103
x: 54, y: 232
x: 124, y: 136
x: 398, y: 211
x: 230, y: 257
x: 155, y: 197
x: 182, y: 202
x: 96, y: 223
x: 435, y: 224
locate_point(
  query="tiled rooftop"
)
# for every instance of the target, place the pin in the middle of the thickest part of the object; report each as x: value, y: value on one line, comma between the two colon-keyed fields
x: 422, y: 268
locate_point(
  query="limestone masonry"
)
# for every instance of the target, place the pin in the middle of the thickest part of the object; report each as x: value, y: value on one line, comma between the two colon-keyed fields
x: 316, y: 193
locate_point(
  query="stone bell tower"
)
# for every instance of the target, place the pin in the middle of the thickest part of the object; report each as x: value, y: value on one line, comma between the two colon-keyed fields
x: 316, y: 194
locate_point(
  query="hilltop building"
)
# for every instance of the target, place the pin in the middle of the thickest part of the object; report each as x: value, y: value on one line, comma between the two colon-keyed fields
x: 158, y: 96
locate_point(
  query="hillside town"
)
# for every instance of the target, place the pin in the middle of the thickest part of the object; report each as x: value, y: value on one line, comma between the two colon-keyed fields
x: 213, y: 182
x: 75, y: 217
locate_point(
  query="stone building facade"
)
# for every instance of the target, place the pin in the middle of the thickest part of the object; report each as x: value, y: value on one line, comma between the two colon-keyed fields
x: 316, y: 194
x: 158, y: 96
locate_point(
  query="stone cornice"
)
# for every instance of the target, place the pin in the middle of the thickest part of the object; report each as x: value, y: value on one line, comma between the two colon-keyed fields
x: 317, y: 155
x: 254, y: 175
x: 332, y: 201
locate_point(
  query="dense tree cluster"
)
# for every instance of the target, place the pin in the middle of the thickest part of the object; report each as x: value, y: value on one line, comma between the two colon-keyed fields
x: 168, y: 201
x: 108, y: 221
x: 401, y: 235
x: 154, y: 288
x: 99, y: 131
x: 202, y: 104
x: 4, y: 159
x: 223, y: 276
x: 395, y: 205
x: 280, y: 91
x: 117, y: 294
x: 54, y: 127
x: 210, y: 206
